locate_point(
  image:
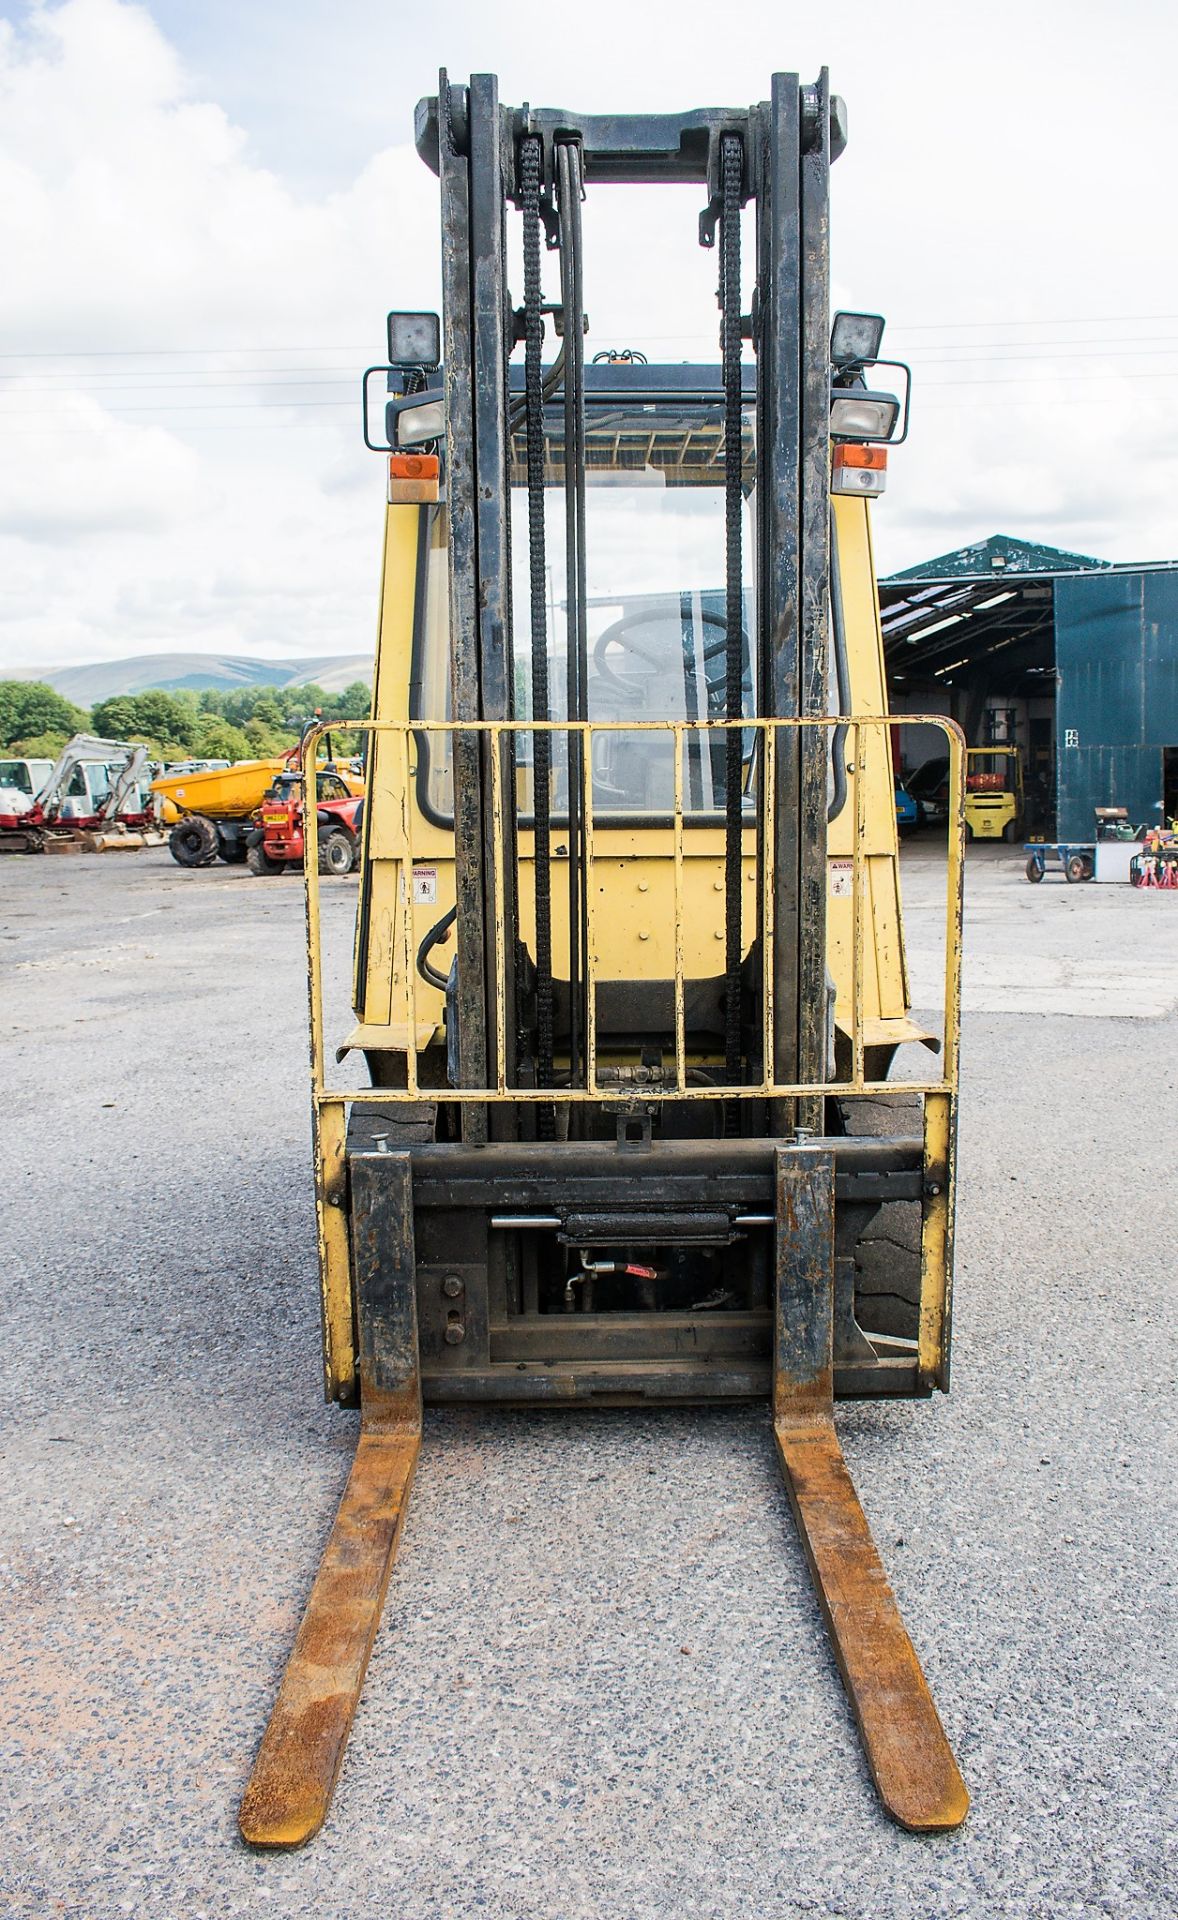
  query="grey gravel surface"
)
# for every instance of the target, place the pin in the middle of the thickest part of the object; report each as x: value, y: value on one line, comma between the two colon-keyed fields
x: 601, y: 1688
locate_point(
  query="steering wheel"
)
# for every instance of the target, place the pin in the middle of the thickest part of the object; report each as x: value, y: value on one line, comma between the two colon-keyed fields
x: 620, y: 634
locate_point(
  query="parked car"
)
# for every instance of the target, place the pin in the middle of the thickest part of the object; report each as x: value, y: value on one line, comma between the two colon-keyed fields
x: 929, y: 787
x: 908, y: 809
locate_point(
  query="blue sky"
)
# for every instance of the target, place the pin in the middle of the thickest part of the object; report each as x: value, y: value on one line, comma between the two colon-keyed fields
x: 206, y: 209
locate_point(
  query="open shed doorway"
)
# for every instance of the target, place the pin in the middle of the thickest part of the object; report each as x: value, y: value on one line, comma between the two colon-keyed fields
x: 982, y: 652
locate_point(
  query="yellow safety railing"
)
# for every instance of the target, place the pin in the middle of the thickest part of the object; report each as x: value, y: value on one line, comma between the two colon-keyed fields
x: 404, y: 1017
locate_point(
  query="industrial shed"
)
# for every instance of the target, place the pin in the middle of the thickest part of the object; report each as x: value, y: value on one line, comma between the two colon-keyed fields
x: 1073, y: 659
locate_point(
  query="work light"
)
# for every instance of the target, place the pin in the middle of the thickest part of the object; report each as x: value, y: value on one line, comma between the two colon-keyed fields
x: 855, y: 338
x: 856, y: 414
x: 418, y: 419
x: 415, y: 340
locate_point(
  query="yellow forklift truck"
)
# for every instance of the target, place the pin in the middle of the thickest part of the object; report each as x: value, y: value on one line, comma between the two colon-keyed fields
x: 629, y: 968
x: 994, y: 803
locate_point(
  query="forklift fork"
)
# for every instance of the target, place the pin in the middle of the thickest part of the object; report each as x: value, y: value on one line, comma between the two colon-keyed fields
x: 302, y: 1750
x: 911, y: 1762
x: 299, y: 1759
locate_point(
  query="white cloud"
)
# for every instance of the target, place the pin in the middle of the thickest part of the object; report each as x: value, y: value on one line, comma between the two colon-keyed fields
x: 161, y: 497
x: 1006, y: 183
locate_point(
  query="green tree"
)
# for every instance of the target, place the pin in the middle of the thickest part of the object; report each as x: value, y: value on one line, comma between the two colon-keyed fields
x: 38, y: 746
x: 299, y: 703
x: 30, y: 707
x: 267, y: 711
x: 161, y: 716
x: 216, y: 739
x: 117, y: 717
x: 355, y: 702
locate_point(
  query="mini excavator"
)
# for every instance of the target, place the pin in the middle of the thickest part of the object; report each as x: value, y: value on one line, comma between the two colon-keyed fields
x: 629, y: 976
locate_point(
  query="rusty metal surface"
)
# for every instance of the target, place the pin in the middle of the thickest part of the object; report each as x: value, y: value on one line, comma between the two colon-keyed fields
x: 302, y: 1750
x: 910, y: 1759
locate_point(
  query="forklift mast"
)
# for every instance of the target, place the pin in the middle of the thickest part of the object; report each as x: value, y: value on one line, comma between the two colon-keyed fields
x: 777, y: 157
x: 635, y: 1142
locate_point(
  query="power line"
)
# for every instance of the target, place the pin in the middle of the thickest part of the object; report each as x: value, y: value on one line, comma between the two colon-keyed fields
x: 188, y: 386
x: 161, y: 353
x: 212, y: 406
x: 1066, y: 320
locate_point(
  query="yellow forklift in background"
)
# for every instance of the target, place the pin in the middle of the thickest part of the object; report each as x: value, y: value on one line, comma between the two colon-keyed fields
x: 994, y: 802
x: 629, y: 977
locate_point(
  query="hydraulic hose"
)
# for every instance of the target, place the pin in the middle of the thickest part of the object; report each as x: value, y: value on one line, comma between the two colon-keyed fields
x: 437, y: 932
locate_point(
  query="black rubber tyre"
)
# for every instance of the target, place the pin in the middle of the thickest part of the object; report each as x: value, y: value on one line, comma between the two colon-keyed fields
x: 1077, y: 867
x: 193, y: 841
x: 233, y: 852
x: 1010, y: 832
x: 968, y: 831
x: 337, y: 852
x: 887, y: 1260
x: 258, y: 861
x: 1034, y: 868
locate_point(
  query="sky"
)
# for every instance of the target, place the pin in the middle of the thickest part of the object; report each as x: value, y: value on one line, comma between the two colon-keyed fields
x: 207, y: 209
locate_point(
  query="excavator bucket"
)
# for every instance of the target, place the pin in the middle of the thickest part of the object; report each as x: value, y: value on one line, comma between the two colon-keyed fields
x: 629, y: 973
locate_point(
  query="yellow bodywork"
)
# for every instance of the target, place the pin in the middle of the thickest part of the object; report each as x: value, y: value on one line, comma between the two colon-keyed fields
x: 988, y: 814
x: 220, y: 793
x: 656, y: 902
x: 635, y: 921
x: 228, y: 793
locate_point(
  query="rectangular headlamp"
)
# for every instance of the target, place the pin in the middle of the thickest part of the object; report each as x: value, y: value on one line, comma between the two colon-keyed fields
x: 856, y: 414
x: 419, y: 418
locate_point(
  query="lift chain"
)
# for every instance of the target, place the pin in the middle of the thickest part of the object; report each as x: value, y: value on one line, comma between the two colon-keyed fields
x: 569, y: 195
x: 529, y: 166
x: 731, y: 173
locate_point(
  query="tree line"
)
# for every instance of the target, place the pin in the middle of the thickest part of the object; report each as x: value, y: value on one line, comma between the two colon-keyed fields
x: 214, y: 723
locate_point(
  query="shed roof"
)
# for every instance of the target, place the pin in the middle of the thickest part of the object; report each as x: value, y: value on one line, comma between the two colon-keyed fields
x: 1000, y: 554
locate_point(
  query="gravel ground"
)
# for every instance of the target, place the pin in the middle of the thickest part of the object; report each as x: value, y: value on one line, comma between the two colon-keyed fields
x: 601, y: 1688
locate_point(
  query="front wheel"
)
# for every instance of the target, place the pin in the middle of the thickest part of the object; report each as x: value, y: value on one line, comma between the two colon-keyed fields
x: 1078, y: 868
x: 888, y: 1254
x: 258, y: 861
x: 193, y: 841
x: 337, y: 852
x: 1034, y: 868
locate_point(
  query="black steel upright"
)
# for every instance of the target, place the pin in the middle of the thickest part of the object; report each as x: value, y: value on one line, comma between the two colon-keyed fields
x: 777, y: 154
x: 813, y: 595
x: 476, y: 346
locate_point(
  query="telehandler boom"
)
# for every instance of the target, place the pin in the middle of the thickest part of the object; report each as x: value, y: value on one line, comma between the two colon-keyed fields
x: 629, y: 968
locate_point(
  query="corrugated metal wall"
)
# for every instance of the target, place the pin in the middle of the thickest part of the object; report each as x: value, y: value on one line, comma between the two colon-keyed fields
x: 1116, y: 657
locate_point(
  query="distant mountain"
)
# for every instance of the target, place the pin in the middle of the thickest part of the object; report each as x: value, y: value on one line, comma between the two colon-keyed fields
x: 84, y: 685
